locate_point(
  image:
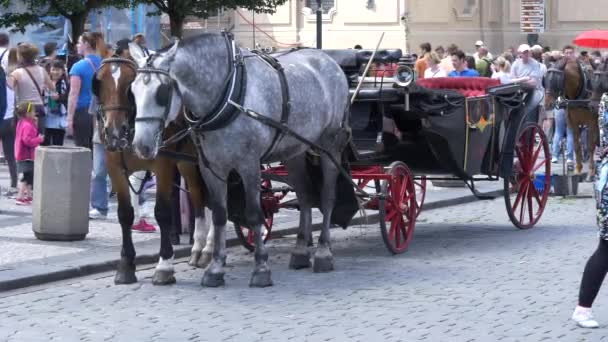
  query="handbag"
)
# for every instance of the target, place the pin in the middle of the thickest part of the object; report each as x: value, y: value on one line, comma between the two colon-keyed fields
x: 41, y: 111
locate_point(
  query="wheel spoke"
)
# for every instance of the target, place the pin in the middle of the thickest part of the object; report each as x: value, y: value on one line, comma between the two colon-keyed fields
x: 398, y: 224
x: 536, y: 153
x: 250, y: 236
x: 542, y: 162
x: 520, y: 157
x: 530, y: 207
x: 536, y: 195
x: 523, y: 202
x: 519, y: 195
x: 403, y: 188
x: 391, y: 231
x: 390, y: 215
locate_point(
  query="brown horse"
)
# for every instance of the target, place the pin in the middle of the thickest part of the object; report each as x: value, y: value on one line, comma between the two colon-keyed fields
x: 116, y: 112
x: 566, y: 83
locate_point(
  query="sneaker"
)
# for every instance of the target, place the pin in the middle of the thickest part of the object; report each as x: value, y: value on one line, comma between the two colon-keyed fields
x: 143, y: 227
x: 95, y: 214
x: 554, y: 160
x: 584, y: 318
x: 11, y: 193
x: 22, y: 201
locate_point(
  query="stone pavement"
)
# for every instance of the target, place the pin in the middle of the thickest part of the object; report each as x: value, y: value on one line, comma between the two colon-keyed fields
x: 25, y: 261
x: 468, y: 275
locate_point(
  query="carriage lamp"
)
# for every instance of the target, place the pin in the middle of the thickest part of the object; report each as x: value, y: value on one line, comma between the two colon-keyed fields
x: 404, y: 76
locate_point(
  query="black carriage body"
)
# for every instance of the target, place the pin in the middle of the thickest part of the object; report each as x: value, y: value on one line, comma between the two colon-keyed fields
x: 463, y: 127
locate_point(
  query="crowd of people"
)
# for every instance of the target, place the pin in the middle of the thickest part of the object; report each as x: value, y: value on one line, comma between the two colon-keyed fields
x: 525, y: 65
x: 48, y: 97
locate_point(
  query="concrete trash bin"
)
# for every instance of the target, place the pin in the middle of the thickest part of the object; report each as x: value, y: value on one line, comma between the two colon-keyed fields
x: 62, y: 182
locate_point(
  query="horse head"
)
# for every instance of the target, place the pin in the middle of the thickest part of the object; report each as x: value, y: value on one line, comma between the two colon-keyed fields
x: 111, y: 84
x: 157, y: 99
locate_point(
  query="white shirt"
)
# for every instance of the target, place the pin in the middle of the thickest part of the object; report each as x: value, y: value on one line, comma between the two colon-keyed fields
x: 4, y: 61
x: 428, y: 73
x: 10, y: 103
x: 502, y: 76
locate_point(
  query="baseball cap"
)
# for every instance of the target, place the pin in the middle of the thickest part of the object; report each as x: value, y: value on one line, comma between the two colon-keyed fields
x: 523, y: 48
x: 479, y: 43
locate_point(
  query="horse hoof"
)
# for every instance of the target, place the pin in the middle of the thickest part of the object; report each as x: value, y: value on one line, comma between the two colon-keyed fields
x: 204, y: 260
x: 195, y: 256
x: 213, y: 279
x: 125, y: 277
x: 163, y: 277
x: 299, y: 261
x: 125, y: 274
x: 261, y: 279
x: 323, y: 264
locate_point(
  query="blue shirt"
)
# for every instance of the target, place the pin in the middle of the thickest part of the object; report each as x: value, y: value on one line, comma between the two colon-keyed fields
x: 84, y: 70
x: 464, y: 73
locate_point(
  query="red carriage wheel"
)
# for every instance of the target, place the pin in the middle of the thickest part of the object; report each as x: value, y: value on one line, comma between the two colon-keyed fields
x: 269, y: 202
x: 420, y: 185
x: 526, y: 202
x: 397, y: 225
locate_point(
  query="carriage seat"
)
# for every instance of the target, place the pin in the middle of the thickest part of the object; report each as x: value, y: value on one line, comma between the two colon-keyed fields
x: 467, y: 86
x: 352, y: 60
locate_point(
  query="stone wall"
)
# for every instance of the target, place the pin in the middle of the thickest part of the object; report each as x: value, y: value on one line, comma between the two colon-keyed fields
x: 441, y: 22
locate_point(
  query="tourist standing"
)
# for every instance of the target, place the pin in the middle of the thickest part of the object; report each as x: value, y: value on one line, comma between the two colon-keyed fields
x: 30, y: 81
x: 27, y: 139
x: 461, y: 68
x: 55, y: 121
x: 503, y: 70
x: 79, y: 121
x: 597, y: 265
x: 7, y: 129
x: 421, y: 62
x: 434, y: 70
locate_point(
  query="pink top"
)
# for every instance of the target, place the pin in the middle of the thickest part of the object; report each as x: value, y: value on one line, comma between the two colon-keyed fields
x: 26, y: 139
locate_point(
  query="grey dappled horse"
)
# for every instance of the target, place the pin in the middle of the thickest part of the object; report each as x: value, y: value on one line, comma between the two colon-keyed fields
x: 203, y: 72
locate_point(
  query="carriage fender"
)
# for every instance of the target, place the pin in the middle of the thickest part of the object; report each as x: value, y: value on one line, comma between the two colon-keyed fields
x: 517, y: 120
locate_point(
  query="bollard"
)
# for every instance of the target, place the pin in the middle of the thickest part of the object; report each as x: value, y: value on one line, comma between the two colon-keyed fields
x: 62, y: 182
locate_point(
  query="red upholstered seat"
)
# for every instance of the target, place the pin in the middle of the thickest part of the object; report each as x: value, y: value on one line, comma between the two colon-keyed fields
x: 467, y: 86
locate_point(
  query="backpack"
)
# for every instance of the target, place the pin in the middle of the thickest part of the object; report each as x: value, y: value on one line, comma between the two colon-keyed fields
x: 485, y: 70
x: 3, y: 104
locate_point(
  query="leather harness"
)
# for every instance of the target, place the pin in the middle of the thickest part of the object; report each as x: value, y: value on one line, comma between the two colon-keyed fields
x: 234, y: 88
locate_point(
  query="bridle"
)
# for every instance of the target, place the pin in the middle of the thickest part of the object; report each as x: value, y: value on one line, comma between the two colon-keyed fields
x: 129, y: 109
x: 221, y: 108
x: 117, y: 60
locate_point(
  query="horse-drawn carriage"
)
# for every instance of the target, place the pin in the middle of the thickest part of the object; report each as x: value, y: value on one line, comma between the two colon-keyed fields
x: 407, y: 131
x: 372, y: 154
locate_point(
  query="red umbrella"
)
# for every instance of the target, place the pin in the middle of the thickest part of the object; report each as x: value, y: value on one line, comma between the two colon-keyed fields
x: 595, y: 39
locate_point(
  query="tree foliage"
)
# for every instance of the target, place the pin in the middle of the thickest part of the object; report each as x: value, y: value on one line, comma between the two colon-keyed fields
x: 33, y: 12
x: 178, y: 10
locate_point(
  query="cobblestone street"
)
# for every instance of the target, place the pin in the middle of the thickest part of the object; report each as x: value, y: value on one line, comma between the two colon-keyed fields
x: 469, y: 275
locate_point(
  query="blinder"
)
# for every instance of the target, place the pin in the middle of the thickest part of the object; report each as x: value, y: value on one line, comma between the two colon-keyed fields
x: 163, y: 94
x: 554, y: 81
x: 95, y: 85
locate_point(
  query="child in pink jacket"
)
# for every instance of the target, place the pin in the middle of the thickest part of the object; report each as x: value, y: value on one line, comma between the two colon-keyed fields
x: 26, y: 141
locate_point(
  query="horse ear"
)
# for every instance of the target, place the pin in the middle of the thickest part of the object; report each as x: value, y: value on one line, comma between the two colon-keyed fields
x: 138, y: 54
x: 170, y: 54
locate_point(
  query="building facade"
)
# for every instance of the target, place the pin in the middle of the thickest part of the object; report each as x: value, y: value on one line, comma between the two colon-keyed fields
x: 407, y: 23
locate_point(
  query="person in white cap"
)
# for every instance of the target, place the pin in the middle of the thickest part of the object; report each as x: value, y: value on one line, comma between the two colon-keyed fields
x: 526, y: 70
x: 478, y: 45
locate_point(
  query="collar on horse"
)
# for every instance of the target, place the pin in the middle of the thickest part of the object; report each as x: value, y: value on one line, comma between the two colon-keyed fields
x: 233, y: 89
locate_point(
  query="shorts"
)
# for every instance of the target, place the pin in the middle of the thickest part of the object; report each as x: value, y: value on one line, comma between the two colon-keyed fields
x: 26, y: 168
